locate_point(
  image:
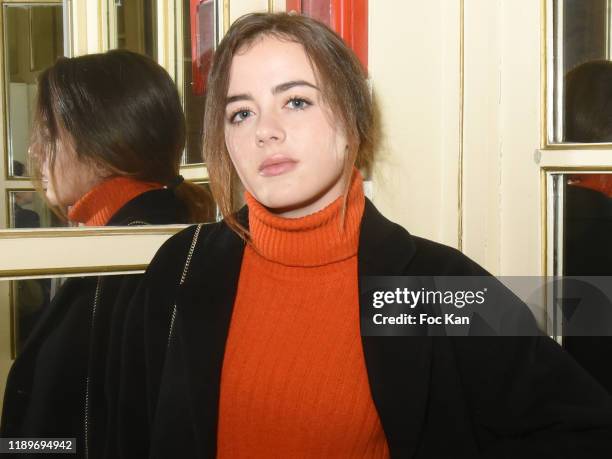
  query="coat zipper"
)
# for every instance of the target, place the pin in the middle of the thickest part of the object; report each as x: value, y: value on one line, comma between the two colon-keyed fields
x: 87, y: 381
x: 93, y: 320
x: 183, y: 277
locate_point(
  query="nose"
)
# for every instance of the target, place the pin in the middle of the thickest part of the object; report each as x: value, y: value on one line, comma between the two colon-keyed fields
x: 269, y: 130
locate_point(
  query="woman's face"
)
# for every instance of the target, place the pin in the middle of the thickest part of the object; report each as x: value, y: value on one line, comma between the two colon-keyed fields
x: 285, y: 144
x: 70, y: 179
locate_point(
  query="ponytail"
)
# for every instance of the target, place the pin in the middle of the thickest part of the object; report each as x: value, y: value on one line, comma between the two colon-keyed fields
x: 198, y: 201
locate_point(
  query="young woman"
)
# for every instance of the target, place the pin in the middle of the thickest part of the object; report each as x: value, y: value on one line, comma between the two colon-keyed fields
x: 244, y: 340
x: 107, y: 141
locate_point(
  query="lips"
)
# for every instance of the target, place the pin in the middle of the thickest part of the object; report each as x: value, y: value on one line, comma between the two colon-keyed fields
x: 276, y: 165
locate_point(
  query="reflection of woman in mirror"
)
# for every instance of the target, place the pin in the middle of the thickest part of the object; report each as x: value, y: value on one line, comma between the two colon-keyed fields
x: 588, y: 204
x: 109, y: 129
x: 107, y: 141
x: 260, y: 352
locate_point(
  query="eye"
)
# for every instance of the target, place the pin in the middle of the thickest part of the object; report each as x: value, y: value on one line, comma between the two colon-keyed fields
x: 240, y: 115
x: 298, y: 103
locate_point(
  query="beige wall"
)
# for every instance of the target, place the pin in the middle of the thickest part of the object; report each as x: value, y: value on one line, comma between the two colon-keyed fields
x: 471, y: 122
x: 241, y: 7
x: 502, y: 213
x: 414, y: 66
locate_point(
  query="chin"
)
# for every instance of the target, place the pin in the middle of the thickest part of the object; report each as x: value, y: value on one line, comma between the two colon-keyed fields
x: 292, y: 208
x: 296, y: 203
x: 278, y: 206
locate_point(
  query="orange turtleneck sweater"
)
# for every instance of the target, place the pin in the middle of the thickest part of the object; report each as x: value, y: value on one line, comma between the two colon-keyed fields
x: 294, y: 382
x: 103, y: 201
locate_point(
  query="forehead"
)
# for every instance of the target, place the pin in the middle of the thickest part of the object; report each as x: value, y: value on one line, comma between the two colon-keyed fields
x: 268, y: 62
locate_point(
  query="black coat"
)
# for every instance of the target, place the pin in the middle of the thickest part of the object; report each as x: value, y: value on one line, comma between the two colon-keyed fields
x: 72, y: 353
x: 436, y: 397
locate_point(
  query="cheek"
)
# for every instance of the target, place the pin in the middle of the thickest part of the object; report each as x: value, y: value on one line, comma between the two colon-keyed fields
x: 238, y: 145
x: 233, y: 148
x: 331, y: 144
x: 231, y: 143
x: 234, y: 141
x: 62, y: 169
x: 237, y: 157
x: 321, y: 136
x: 72, y: 181
x: 341, y: 146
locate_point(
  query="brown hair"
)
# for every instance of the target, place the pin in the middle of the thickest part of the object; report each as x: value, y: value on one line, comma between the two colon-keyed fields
x: 120, y: 111
x: 343, y: 83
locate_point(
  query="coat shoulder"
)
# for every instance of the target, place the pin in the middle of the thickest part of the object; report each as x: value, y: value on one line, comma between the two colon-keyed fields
x: 435, y: 259
x: 172, y: 255
x: 388, y: 248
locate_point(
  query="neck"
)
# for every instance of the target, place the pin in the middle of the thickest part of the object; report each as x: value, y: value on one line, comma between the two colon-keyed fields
x: 320, y: 238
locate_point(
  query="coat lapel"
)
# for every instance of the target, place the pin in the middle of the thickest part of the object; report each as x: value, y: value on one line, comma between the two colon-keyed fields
x: 398, y: 367
x: 204, y: 311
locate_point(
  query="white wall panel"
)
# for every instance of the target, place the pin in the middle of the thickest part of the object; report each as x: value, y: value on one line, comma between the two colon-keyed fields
x: 414, y: 65
x: 242, y: 7
x: 521, y: 232
x: 482, y: 145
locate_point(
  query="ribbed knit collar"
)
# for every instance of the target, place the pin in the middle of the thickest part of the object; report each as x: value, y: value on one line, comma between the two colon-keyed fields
x: 98, y: 205
x: 314, y: 240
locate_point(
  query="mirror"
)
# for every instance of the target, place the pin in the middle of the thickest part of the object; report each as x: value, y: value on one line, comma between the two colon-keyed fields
x: 582, y: 244
x: 136, y: 26
x: 34, y: 39
x: 580, y: 32
x: 26, y: 299
x: 200, y: 36
x: 317, y: 9
x: 27, y: 209
x: 587, y: 224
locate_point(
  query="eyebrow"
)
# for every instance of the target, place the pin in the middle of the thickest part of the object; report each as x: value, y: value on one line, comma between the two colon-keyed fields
x: 292, y: 84
x: 276, y: 90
